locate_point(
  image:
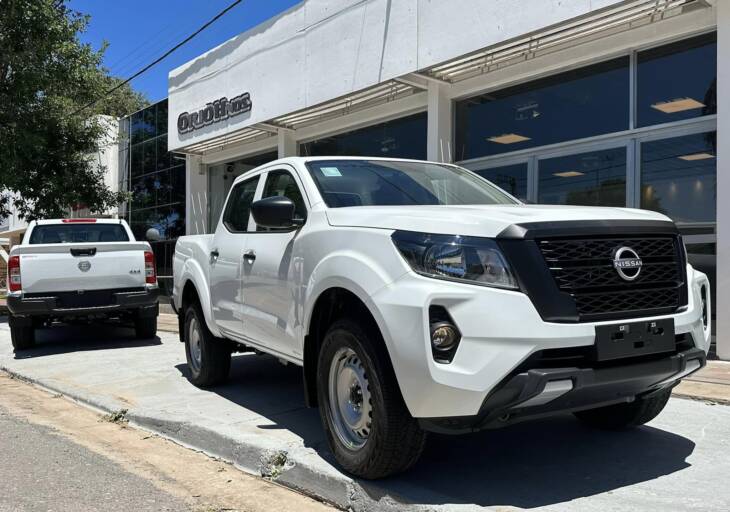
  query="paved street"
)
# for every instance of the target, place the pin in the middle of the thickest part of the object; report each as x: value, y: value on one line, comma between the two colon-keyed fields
x: 60, y: 456
x: 678, y: 462
x: 42, y: 470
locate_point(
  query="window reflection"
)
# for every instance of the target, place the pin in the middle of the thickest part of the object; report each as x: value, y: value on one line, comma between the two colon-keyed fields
x: 597, y: 178
x: 581, y: 103
x: 679, y: 177
x: 221, y: 177
x: 677, y: 81
x: 400, y: 138
x: 511, y: 178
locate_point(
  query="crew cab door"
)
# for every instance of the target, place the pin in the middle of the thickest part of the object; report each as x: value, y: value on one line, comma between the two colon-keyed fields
x: 226, y: 257
x: 272, y: 273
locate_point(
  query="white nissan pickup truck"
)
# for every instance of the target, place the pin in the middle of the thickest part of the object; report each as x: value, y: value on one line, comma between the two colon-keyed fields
x: 420, y: 297
x: 80, y: 269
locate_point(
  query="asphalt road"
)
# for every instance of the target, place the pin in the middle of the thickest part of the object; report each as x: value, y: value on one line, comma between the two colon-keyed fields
x: 44, y: 471
x: 679, y: 461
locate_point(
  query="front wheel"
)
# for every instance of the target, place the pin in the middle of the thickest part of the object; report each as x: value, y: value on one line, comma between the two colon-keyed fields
x: 368, y: 426
x: 22, y: 334
x: 622, y: 416
x: 209, y: 359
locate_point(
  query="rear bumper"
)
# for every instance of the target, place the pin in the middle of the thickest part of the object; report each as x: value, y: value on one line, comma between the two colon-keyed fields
x: 144, y: 300
x: 541, y: 392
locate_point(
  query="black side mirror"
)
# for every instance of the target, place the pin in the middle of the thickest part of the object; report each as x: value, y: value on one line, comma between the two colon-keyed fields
x: 275, y: 212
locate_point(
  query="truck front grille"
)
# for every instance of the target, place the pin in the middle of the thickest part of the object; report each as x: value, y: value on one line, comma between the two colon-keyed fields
x: 584, y: 269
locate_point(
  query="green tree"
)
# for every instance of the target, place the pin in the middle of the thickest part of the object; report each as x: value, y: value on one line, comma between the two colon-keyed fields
x: 47, y: 138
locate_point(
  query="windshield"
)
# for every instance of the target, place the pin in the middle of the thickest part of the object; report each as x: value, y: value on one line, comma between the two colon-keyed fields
x: 78, y: 233
x: 392, y: 183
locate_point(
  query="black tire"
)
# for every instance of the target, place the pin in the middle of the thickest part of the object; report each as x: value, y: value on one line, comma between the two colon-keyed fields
x: 214, y: 362
x: 623, y: 416
x: 21, y: 334
x: 145, y: 328
x: 394, y: 440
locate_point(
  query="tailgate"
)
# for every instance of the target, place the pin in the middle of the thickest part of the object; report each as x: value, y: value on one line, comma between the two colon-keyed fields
x: 48, y: 268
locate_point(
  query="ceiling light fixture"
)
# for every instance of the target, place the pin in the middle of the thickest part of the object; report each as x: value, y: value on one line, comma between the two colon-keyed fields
x: 677, y: 105
x: 696, y: 156
x: 508, y: 138
x: 568, y: 174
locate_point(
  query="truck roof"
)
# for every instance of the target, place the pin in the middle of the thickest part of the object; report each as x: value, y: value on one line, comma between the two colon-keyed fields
x: 44, y: 222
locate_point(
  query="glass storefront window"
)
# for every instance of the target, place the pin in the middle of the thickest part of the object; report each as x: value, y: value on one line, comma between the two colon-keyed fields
x: 576, y: 104
x: 679, y: 177
x: 677, y: 81
x: 161, y: 117
x: 596, y: 178
x: 400, y: 138
x: 168, y: 220
x: 511, y: 178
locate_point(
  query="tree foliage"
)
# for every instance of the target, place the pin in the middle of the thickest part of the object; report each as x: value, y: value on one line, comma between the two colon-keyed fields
x: 47, y: 139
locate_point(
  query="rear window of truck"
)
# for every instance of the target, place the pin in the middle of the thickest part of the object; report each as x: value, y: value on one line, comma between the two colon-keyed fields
x: 78, y: 233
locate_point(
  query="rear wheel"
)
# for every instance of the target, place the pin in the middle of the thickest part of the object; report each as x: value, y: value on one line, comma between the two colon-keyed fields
x: 22, y: 334
x: 145, y: 328
x: 622, y: 416
x: 368, y: 426
x: 209, y: 359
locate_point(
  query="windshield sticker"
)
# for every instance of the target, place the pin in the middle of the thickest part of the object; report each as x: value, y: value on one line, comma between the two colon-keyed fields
x: 330, y: 171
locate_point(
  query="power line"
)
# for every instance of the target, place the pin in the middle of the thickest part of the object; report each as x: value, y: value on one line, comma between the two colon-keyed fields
x: 161, y: 58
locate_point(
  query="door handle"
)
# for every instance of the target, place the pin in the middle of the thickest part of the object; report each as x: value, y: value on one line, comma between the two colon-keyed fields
x: 249, y: 256
x: 214, y: 255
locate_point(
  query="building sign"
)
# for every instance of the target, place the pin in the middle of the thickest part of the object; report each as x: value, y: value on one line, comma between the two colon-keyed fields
x: 214, y: 112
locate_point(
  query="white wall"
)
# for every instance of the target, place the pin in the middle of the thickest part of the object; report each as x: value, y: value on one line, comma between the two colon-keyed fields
x: 323, y: 49
x: 723, y: 179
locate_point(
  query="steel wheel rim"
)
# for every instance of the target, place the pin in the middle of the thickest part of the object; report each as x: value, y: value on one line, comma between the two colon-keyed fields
x: 196, y: 351
x: 350, y: 401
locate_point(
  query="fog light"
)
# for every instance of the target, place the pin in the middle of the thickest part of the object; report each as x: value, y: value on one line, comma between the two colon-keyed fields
x: 443, y: 336
x: 703, y: 293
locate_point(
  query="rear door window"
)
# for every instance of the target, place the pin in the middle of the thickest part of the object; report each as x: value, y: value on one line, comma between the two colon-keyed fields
x: 78, y: 233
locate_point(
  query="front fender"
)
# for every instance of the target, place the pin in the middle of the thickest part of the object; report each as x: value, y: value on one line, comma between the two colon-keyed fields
x: 352, y: 271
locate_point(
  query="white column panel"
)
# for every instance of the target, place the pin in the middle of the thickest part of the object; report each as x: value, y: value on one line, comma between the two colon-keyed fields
x: 287, y: 144
x: 723, y: 179
x: 196, y: 192
x: 439, y: 143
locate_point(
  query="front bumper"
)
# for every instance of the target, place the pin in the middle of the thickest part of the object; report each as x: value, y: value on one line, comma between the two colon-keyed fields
x: 110, y: 302
x: 501, y: 330
x: 541, y: 392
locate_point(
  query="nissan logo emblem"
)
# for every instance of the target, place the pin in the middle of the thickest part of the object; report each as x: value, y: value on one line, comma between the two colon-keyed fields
x: 84, y: 266
x: 627, y: 263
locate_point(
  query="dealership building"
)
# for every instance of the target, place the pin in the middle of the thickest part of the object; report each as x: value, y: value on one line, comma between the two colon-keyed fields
x: 588, y: 102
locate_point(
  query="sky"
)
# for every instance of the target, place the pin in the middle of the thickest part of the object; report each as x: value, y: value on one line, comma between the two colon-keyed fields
x: 139, y: 31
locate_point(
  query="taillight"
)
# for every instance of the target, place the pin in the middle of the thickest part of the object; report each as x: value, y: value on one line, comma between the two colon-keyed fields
x: 150, y: 276
x: 14, y: 284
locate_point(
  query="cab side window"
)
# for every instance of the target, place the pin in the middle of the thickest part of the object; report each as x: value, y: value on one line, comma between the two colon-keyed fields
x: 238, y: 209
x: 282, y: 183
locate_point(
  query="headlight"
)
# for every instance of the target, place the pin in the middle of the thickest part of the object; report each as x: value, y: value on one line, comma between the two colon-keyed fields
x: 456, y: 258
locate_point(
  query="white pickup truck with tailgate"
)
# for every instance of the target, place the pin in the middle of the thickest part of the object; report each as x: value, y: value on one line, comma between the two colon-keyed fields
x: 420, y: 297
x: 80, y: 269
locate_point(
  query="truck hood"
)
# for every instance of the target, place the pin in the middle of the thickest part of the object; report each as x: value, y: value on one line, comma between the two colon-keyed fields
x: 477, y: 220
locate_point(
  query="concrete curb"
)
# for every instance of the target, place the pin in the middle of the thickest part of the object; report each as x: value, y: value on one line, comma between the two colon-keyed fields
x: 285, y: 465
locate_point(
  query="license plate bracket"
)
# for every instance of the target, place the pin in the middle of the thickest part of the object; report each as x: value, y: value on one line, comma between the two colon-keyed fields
x: 632, y: 339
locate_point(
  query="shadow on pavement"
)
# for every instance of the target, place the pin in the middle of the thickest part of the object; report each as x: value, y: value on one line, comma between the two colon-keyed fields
x: 528, y: 465
x: 63, y: 339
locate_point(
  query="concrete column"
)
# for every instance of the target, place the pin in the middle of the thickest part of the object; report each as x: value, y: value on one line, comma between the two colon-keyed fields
x: 287, y: 143
x: 196, y: 196
x: 723, y: 179
x: 440, y: 114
